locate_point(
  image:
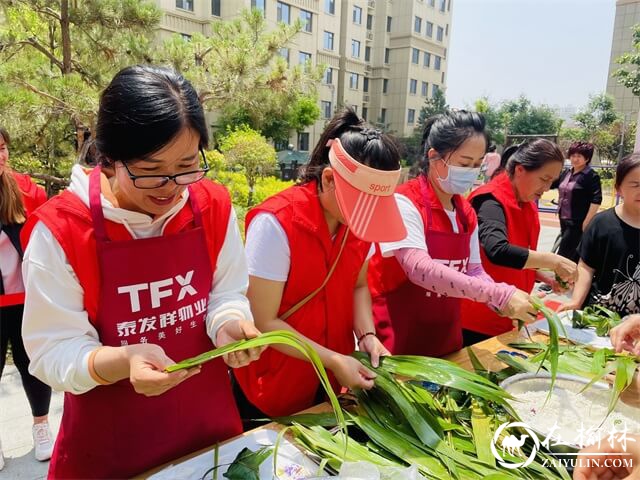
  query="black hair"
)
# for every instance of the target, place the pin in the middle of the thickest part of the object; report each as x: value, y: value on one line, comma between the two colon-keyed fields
x: 446, y: 132
x: 142, y: 110
x: 364, y: 143
x: 531, y: 155
x: 492, y: 148
x: 627, y: 164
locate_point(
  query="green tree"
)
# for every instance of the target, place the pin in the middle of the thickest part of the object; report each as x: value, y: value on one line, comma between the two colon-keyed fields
x: 522, y: 117
x: 247, y: 150
x: 599, y: 114
x: 432, y: 106
x: 629, y: 74
x: 494, y: 121
x: 240, y: 73
x: 55, y: 57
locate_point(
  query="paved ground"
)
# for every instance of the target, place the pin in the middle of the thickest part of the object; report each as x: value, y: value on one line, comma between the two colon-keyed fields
x: 15, y: 416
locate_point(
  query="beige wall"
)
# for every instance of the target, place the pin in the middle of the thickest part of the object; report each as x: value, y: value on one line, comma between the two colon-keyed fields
x: 400, y: 41
x: 627, y: 15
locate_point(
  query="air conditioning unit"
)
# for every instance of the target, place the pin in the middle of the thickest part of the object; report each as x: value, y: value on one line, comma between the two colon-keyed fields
x: 372, y: 4
x: 365, y: 98
x: 369, y: 35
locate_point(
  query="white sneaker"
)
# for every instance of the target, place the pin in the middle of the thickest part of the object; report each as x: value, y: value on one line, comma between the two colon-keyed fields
x: 42, y: 441
x: 1, y: 457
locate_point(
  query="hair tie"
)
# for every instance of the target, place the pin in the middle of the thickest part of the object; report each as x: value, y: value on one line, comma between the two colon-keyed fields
x: 371, y: 133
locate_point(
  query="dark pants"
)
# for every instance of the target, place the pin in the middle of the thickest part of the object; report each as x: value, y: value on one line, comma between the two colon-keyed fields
x: 38, y: 393
x: 469, y: 337
x: 570, y: 236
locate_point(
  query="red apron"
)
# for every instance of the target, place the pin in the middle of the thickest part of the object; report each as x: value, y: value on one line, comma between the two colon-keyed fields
x: 413, y: 321
x: 153, y: 290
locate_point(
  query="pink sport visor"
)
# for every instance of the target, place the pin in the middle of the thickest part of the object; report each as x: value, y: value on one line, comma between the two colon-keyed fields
x: 365, y: 197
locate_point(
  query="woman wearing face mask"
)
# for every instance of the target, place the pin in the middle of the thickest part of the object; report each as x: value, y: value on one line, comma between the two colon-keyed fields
x: 509, y: 229
x: 417, y: 283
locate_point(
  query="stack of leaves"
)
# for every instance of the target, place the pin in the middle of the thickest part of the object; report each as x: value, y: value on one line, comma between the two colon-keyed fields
x: 595, y: 316
x: 445, y: 430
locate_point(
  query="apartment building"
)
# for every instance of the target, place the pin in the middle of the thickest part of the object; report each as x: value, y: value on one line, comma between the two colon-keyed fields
x: 383, y: 57
x: 627, y: 16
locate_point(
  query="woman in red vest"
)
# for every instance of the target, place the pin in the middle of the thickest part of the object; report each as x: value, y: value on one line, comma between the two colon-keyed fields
x: 19, y: 197
x: 127, y: 273
x: 509, y: 229
x: 417, y: 283
x: 308, y: 249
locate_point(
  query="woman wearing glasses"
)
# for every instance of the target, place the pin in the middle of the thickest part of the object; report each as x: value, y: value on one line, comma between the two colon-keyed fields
x: 127, y: 274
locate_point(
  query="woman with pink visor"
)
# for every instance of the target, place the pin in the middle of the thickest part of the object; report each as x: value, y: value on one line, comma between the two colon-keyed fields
x: 418, y: 282
x: 307, y: 249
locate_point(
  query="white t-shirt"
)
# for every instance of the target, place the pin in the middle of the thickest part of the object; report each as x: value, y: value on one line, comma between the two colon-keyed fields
x: 415, y: 231
x: 267, y: 248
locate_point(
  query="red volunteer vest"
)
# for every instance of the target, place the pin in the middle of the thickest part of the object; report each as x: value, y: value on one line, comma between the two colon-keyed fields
x: 32, y: 197
x: 411, y: 320
x: 523, y: 229
x: 152, y: 290
x: 279, y: 384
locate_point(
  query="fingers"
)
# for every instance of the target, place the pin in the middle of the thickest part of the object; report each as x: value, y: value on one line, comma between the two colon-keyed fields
x: 375, y: 358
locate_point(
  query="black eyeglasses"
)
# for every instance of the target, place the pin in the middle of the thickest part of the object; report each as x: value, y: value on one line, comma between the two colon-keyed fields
x: 148, y: 182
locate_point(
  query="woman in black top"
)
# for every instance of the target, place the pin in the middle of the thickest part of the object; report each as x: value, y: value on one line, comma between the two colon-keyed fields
x: 580, y: 197
x: 609, y: 271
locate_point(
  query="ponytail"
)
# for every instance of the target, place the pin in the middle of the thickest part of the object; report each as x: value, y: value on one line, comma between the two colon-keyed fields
x: 364, y: 143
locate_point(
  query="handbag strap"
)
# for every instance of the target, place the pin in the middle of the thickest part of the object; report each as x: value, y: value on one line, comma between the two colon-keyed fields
x: 306, y: 299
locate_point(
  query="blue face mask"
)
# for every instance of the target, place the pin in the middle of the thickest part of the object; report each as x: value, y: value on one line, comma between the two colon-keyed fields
x: 459, y: 179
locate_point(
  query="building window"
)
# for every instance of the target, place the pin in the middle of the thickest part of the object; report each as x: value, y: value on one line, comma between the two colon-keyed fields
x: 367, y: 54
x: 328, y: 76
x: 259, y: 5
x: 365, y: 112
x: 330, y: 6
x: 436, y: 62
x: 446, y: 31
x: 383, y: 115
x: 303, y: 58
x: 215, y: 7
x: 425, y: 89
x: 387, y: 52
x: 355, y: 108
x: 357, y: 15
x: 434, y: 89
x: 306, y: 18
x: 303, y: 141
x: 353, y: 81
x: 186, y: 37
x: 413, y: 86
x: 417, y: 25
x: 440, y: 34
x: 185, y: 4
x: 365, y: 84
x: 411, y: 116
x: 328, y: 40
x: 284, y: 13
x: 355, y: 48
x: 385, y: 85
x: 284, y: 53
x: 325, y: 107
x: 389, y: 24
x: 429, y: 31
x: 442, y: 78
x: 369, y: 22
x: 415, y: 56
x: 443, y: 5
x: 427, y: 59
x: 432, y: 3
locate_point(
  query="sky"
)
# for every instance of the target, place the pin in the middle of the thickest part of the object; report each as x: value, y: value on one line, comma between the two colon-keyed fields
x: 553, y: 51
